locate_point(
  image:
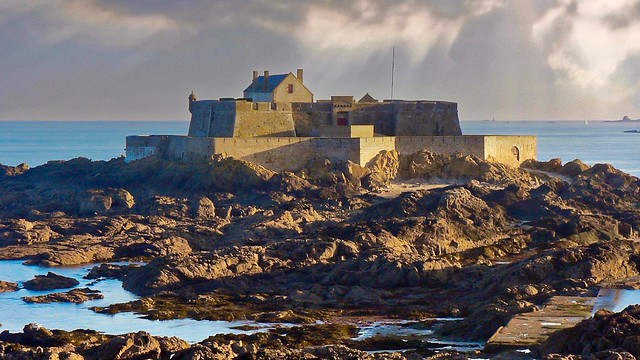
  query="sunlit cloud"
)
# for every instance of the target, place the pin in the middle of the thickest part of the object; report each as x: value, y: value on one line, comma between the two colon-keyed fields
x: 368, y: 26
x: 90, y: 22
x: 582, y: 45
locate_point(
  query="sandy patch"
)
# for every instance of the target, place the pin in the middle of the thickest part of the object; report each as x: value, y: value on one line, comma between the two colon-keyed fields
x: 396, y: 188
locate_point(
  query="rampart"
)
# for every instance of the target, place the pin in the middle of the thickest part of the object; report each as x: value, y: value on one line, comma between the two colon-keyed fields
x: 240, y: 118
x: 292, y: 153
x: 244, y: 118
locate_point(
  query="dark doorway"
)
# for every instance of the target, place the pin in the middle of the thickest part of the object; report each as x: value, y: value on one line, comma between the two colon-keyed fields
x: 343, y: 118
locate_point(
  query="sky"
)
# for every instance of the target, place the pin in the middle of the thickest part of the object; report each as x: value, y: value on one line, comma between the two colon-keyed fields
x: 139, y: 60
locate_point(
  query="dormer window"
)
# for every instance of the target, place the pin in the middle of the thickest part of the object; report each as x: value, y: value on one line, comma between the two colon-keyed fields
x: 290, y: 88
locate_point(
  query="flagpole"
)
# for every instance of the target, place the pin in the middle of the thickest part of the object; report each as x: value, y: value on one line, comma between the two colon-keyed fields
x: 393, y: 67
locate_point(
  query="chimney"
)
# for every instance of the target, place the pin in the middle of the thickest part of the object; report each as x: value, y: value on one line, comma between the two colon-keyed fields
x: 254, y: 85
x: 300, y: 75
x: 265, y: 82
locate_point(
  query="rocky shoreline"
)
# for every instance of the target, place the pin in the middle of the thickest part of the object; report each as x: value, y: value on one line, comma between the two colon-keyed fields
x: 228, y: 240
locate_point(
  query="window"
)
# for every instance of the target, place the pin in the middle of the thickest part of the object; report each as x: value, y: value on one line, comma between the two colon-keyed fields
x: 290, y: 88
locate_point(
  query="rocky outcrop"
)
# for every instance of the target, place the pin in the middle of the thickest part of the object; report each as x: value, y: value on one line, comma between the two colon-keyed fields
x: 383, y: 168
x: 228, y: 240
x: 13, y: 170
x: 552, y: 166
x: 98, y: 201
x: 427, y: 165
x: 23, y: 232
x: 110, y: 271
x: 516, y: 287
x: 7, y: 286
x: 49, y: 282
x: 232, y: 175
x: 573, y: 168
x: 204, y: 209
x: 140, y: 345
x: 603, y: 336
x: 37, y: 342
x: 76, y: 296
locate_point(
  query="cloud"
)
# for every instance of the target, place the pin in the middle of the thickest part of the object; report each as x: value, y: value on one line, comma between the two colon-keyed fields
x: 369, y: 26
x: 583, y: 45
x: 88, y: 22
x: 504, y: 58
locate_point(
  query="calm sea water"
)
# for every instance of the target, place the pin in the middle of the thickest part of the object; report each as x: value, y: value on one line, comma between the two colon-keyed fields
x: 595, y: 142
x: 36, y: 142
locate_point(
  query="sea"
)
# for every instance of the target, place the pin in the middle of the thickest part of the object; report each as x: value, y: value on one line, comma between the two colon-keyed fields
x: 36, y: 142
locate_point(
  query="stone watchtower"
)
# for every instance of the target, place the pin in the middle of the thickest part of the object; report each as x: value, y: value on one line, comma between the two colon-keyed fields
x: 192, y: 99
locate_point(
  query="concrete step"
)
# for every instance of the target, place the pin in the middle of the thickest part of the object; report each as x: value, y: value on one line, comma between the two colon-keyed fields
x: 530, y: 329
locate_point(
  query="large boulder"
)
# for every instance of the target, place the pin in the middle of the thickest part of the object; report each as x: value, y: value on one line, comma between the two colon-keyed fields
x: 204, y: 209
x: 355, y: 173
x: 553, y: 165
x: 101, y: 201
x: 423, y: 164
x: 231, y: 175
x: 573, y: 168
x: 6, y: 286
x: 140, y: 345
x: 383, y: 168
x: 76, y: 296
x: 324, y: 171
x: 95, y: 202
x: 50, y: 281
x: 465, y: 167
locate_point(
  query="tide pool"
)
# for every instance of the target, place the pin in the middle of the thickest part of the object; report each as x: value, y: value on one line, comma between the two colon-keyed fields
x: 66, y: 316
x: 616, y: 299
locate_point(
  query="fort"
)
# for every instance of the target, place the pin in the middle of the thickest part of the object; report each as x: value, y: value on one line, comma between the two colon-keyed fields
x: 278, y: 125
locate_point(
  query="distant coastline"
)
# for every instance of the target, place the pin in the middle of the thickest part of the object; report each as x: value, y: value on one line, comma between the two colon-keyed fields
x: 626, y: 119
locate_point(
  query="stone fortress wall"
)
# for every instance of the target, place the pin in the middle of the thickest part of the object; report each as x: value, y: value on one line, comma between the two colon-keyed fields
x: 285, y: 135
x: 244, y: 118
x: 292, y: 153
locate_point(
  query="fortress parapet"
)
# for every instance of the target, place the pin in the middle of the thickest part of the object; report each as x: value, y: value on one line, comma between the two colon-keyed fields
x: 278, y: 125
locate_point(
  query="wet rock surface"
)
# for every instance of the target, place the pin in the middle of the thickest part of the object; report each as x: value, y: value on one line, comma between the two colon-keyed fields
x: 6, y: 286
x: 50, y: 281
x: 227, y: 240
x: 76, y: 296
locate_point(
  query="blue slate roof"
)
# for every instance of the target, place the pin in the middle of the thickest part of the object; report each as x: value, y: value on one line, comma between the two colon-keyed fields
x: 274, y: 81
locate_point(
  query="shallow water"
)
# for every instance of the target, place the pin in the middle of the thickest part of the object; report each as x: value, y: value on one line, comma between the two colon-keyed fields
x: 616, y: 299
x: 66, y: 316
x: 411, y: 330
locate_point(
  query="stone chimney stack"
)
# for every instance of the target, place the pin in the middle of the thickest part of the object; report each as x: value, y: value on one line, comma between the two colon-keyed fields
x: 300, y: 75
x: 253, y: 83
x: 265, y: 84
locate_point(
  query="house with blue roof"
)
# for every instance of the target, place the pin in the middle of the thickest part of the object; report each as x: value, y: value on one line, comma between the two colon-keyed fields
x: 280, y: 88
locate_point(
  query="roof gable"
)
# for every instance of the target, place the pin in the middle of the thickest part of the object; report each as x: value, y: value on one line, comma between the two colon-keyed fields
x: 274, y: 81
x: 367, y: 99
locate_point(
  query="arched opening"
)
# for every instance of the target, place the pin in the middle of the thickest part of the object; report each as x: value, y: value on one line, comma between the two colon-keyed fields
x: 516, y: 152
